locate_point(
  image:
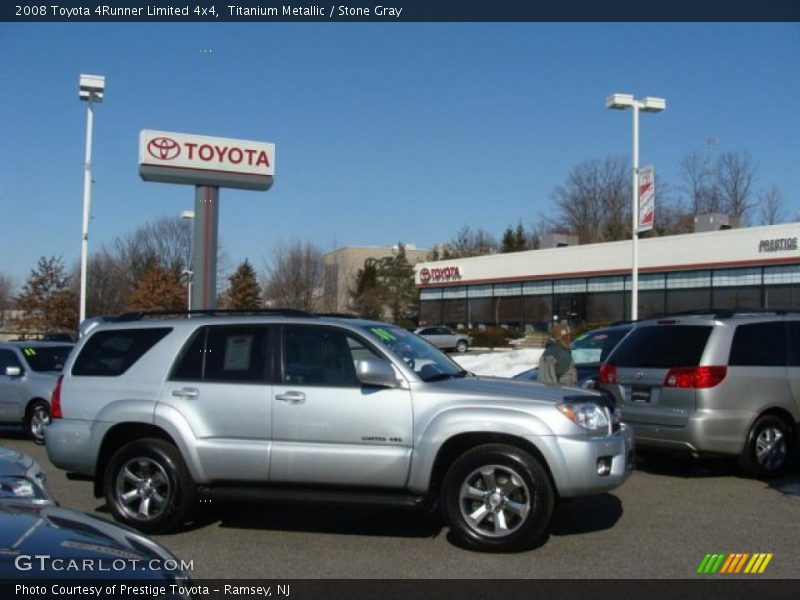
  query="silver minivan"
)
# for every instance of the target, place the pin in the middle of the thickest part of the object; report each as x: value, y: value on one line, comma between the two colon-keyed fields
x: 716, y: 383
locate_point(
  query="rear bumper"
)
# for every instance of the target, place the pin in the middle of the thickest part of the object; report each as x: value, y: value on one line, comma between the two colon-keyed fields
x: 71, y: 445
x: 707, y: 431
x: 574, y: 461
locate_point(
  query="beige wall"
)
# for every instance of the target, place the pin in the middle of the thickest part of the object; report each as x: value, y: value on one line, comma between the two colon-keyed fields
x: 342, y: 265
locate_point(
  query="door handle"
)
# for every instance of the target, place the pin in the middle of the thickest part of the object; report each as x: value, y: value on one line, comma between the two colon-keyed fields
x: 186, y: 393
x: 291, y: 397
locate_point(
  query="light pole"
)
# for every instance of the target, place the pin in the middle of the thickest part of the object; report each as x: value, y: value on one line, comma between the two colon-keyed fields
x: 648, y: 104
x: 188, y: 215
x: 91, y: 89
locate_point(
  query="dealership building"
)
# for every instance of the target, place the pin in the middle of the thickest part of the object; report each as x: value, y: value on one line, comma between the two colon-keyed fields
x: 748, y: 268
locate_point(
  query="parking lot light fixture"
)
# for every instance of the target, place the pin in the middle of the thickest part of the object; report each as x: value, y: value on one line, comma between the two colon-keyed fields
x: 648, y: 104
x: 91, y: 89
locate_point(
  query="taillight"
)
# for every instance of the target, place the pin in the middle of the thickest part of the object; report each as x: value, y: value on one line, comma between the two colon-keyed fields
x: 608, y: 374
x: 695, y: 377
x: 55, y: 400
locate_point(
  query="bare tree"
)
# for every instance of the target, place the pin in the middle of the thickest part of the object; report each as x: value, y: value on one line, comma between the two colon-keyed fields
x: 166, y: 239
x: 735, y: 175
x: 6, y: 296
x: 594, y: 201
x: 699, y: 183
x: 294, y: 276
x: 773, y: 209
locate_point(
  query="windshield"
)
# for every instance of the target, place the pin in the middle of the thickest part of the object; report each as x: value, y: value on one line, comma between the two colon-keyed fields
x: 593, y: 348
x: 50, y: 358
x: 423, y: 357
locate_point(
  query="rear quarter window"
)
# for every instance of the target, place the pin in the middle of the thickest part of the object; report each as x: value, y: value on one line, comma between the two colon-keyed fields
x: 662, y: 346
x: 111, y: 353
x: 759, y: 345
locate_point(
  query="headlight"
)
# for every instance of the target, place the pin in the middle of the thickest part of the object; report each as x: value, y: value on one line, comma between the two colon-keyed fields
x: 588, y: 415
x: 18, y: 487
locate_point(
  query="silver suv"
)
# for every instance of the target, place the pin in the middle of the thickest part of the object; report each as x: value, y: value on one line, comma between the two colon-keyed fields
x: 28, y: 373
x: 723, y: 383
x: 288, y: 405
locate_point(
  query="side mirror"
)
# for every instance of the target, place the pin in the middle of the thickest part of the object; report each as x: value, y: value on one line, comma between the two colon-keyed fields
x: 376, y: 371
x: 13, y: 371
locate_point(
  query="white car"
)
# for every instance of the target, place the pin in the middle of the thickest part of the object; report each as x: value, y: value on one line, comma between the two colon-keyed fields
x: 445, y: 338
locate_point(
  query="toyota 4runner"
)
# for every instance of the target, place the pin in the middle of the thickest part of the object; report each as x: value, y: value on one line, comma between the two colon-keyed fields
x: 288, y: 405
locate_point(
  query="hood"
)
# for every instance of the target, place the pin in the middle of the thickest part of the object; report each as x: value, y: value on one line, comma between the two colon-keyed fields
x: 503, y: 390
x: 27, y: 531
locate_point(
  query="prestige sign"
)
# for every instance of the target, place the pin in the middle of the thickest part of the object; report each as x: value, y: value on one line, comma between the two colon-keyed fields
x: 778, y: 245
x: 202, y: 160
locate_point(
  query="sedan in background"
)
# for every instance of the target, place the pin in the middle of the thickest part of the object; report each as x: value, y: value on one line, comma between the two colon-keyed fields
x: 588, y: 351
x: 22, y: 478
x: 445, y: 338
x: 28, y: 374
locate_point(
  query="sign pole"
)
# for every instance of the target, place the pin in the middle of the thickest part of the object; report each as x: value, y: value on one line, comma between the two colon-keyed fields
x: 204, y: 250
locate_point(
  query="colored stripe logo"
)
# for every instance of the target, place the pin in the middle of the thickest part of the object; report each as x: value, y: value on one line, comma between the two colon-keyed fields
x: 734, y: 563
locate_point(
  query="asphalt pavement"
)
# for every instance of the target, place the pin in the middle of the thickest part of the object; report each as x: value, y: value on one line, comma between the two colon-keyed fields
x: 660, y: 524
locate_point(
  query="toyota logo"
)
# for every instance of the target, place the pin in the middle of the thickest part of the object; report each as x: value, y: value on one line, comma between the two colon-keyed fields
x: 425, y: 275
x: 163, y: 148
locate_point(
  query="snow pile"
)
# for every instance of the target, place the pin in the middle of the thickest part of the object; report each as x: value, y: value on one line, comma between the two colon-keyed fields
x: 500, y: 363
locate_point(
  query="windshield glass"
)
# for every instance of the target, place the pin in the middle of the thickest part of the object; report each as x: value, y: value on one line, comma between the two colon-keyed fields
x: 50, y: 358
x: 592, y: 348
x: 427, y: 361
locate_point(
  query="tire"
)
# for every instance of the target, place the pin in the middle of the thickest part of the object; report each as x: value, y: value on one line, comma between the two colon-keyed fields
x: 768, y: 447
x: 462, y: 346
x: 37, y: 417
x: 512, y: 518
x: 148, y: 487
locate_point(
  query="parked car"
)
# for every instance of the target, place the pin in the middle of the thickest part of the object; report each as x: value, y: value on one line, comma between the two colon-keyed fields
x: 162, y: 412
x: 22, y: 478
x: 588, y: 351
x: 445, y: 338
x: 721, y: 383
x: 28, y: 373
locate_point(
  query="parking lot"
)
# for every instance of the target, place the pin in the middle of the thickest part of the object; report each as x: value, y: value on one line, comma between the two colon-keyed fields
x: 660, y: 524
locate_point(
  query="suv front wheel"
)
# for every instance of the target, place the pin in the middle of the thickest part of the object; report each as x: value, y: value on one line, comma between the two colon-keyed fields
x: 498, y: 498
x: 768, y: 447
x: 148, y: 486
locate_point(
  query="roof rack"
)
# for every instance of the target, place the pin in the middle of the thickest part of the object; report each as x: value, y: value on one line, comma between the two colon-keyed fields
x: 722, y: 313
x: 211, y: 312
x: 338, y: 315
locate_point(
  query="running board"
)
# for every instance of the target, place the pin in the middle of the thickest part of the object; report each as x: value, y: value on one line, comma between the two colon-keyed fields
x: 331, y: 496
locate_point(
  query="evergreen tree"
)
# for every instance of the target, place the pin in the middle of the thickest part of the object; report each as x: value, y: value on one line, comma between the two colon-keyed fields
x: 396, y: 284
x: 514, y: 239
x: 244, y: 291
x: 365, y: 296
x: 47, y: 301
x: 157, y: 289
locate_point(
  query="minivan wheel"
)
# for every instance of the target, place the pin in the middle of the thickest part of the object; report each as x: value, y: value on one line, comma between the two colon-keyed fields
x: 497, y: 498
x: 768, y: 447
x: 37, y: 417
x: 148, y: 486
x: 461, y: 346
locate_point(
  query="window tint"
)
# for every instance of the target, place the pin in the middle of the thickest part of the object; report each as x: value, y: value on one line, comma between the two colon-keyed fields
x: 8, y: 358
x: 47, y: 358
x: 759, y: 345
x: 794, y: 343
x: 321, y: 356
x: 662, y: 346
x: 236, y: 354
x: 111, y: 353
x: 190, y: 361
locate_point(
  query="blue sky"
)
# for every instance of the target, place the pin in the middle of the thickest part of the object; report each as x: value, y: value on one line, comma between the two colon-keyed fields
x: 383, y: 132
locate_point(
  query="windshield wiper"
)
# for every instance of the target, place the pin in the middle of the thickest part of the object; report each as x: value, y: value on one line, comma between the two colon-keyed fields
x: 441, y: 376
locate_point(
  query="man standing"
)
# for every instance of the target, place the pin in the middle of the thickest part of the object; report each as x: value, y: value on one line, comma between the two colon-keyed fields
x: 556, y: 364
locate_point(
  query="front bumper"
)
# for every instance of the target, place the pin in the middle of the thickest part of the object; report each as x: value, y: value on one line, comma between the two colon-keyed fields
x: 574, y: 461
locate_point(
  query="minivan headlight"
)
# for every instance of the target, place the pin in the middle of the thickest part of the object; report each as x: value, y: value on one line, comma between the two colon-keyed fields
x: 587, y: 415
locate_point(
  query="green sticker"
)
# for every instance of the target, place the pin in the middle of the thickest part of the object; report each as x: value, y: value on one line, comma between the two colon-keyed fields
x: 383, y: 334
x: 29, y: 352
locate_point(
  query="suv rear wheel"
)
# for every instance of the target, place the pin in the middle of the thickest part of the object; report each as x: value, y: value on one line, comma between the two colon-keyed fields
x: 148, y: 486
x: 497, y: 498
x: 768, y: 447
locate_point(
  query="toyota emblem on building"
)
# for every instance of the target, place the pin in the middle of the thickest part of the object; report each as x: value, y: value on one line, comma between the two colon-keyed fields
x: 425, y: 275
x: 163, y: 148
